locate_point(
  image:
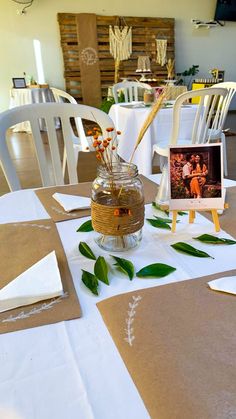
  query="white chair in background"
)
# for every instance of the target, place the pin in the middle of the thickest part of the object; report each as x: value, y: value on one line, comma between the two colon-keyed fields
x: 130, y: 90
x: 59, y: 95
x: 217, y: 129
x: 208, y: 115
x: 80, y: 142
x: 47, y: 111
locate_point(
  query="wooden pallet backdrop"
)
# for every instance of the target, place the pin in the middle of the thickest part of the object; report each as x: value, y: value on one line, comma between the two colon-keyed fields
x: 144, y: 32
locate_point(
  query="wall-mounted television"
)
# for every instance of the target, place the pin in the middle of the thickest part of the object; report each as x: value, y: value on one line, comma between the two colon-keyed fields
x: 225, y: 10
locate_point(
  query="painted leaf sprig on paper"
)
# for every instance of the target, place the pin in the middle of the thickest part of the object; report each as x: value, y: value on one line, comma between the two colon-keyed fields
x: 208, y: 238
x: 190, y: 250
x: 85, y: 227
x: 157, y: 270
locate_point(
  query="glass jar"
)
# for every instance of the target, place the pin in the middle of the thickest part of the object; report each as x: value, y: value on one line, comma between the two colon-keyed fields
x: 117, y: 207
x: 148, y: 97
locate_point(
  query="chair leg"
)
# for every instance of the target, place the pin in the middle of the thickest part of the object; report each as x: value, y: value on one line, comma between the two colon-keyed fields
x: 224, y: 154
x: 77, y: 149
x: 162, y: 197
x: 64, y: 162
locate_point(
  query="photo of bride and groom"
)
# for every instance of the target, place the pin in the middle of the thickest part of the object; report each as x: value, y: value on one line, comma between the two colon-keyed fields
x: 195, y: 172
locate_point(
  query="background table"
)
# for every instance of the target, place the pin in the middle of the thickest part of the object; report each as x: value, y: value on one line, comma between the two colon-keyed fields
x: 27, y: 96
x: 73, y: 369
x: 129, y: 121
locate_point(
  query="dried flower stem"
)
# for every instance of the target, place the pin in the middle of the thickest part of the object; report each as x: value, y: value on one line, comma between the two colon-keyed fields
x: 170, y: 68
x: 155, y: 109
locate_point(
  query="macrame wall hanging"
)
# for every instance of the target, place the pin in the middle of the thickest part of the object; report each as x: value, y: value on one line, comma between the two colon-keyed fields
x: 143, y: 64
x: 161, y: 51
x: 120, y: 38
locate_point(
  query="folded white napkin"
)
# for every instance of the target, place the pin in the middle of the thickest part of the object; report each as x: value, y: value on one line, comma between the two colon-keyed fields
x: 72, y: 202
x: 224, y: 284
x: 40, y: 282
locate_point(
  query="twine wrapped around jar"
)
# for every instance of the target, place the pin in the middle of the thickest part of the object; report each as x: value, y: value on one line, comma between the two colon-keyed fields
x: 117, y: 220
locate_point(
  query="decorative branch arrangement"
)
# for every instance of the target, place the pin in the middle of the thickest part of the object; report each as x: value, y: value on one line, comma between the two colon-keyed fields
x: 170, y: 66
x: 106, y: 148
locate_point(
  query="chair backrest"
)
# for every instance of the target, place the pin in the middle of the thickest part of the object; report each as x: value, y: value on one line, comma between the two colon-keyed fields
x: 231, y: 88
x: 130, y: 90
x: 59, y: 95
x: 207, y: 116
x: 48, y: 111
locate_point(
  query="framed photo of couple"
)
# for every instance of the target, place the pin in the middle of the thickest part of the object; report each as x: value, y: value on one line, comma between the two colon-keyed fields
x: 196, y: 177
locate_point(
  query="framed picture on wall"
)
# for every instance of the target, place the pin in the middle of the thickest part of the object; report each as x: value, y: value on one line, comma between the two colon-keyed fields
x: 196, y: 177
x: 19, y: 83
x: 221, y: 75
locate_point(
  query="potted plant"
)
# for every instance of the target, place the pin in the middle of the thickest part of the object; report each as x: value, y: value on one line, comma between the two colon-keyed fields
x: 186, y: 77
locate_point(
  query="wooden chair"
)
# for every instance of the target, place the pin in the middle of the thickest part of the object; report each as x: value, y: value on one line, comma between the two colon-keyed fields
x: 208, y: 115
x: 130, y: 90
x: 47, y: 111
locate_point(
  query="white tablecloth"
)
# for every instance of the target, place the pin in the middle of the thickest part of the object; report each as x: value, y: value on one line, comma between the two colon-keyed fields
x: 130, y: 120
x: 19, y: 97
x: 72, y: 370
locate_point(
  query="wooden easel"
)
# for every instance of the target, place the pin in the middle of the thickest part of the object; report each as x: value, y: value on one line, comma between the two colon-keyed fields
x: 192, y: 214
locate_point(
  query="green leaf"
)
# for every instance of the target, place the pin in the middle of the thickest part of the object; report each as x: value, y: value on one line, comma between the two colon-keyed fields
x: 186, y: 248
x: 158, y: 223
x: 163, y: 220
x: 182, y: 213
x: 158, y: 207
x: 90, y: 281
x: 85, y: 227
x: 101, y: 270
x: 157, y: 270
x: 125, y: 265
x: 86, y: 251
x: 207, y: 238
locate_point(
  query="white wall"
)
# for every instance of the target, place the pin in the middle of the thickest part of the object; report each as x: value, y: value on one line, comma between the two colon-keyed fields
x: 210, y: 48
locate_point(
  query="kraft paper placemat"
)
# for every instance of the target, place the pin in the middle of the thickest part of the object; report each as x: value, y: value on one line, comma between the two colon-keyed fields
x: 22, y: 245
x: 57, y: 213
x: 55, y: 210
x: 178, y: 342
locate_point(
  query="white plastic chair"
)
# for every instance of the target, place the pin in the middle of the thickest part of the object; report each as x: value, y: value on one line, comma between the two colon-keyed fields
x: 208, y: 115
x: 47, y: 111
x: 80, y: 143
x: 130, y: 90
x: 59, y: 95
x: 217, y: 130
